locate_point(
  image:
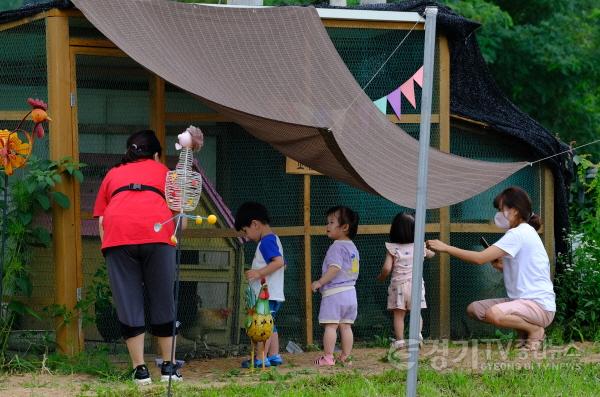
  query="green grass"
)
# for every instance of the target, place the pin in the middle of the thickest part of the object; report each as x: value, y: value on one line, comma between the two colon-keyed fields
x: 97, y: 362
x: 573, y: 380
x: 556, y: 376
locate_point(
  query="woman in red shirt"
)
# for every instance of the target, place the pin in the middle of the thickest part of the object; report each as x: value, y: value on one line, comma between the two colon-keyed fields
x: 130, y: 201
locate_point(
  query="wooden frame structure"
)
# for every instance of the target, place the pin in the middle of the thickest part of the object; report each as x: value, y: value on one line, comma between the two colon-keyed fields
x: 61, y: 55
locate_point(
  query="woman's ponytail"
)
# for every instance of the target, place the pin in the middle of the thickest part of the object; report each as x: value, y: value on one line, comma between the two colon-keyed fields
x: 535, y: 221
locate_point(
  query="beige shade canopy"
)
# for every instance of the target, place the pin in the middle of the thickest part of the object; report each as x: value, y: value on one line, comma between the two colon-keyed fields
x: 275, y: 72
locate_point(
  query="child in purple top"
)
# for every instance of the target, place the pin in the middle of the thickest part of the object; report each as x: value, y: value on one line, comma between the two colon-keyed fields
x: 340, y: 271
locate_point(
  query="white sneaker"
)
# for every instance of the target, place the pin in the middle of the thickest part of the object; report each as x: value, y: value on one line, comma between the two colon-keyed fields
x: 141, y: 375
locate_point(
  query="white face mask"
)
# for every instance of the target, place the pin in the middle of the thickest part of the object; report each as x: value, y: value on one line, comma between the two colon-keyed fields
x: 501, y: 221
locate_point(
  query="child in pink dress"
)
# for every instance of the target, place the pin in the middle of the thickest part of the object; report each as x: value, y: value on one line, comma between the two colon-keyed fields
x: 398, y: 262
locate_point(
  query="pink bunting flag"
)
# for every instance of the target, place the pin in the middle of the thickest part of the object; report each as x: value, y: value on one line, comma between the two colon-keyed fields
x: 394, y: 100
x: 418, y: 77
x: 408, y: 90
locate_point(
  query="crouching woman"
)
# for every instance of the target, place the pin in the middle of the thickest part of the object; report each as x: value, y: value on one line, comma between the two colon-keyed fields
x: 521, y: 256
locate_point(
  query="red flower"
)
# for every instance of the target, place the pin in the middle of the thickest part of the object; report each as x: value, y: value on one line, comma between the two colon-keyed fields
x: 38, y: 130
x: 37, y: 103
x: 13, y: 152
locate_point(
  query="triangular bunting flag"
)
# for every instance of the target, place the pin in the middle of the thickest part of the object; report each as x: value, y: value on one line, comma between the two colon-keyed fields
x: 418, y: 77
x: 381, y: 104
x: 408, y: 90
x: 394, y: 100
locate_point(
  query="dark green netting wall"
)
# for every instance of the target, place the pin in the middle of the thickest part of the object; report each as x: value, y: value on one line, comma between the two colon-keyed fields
x: 23, y: 75
x: 113, y: 101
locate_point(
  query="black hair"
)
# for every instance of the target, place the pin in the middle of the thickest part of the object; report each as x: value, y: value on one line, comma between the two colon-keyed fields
x: 141, y: 145
x: 345, y: 217
x: 251, y: 211
x: 402, y: 230
x: 517, y: 198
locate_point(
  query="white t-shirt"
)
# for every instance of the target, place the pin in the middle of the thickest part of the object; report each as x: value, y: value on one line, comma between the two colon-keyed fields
x: 268, y: 248
x: 527, y: 267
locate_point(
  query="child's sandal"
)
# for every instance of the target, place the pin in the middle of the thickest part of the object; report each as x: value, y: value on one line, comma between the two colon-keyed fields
x: 325, y: 361
x: 346, y: 361
x: 398, y: 344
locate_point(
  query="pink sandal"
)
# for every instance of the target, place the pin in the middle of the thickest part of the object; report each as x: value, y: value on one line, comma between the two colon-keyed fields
x: 346, y: 361
x: 325, y: 361
x: 535, y: 343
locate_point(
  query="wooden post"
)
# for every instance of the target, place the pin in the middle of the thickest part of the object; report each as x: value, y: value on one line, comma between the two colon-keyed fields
x: 65, y: 222
x: 157, y: 124
x: 548, y: 215
x: 308, y: 304
x: 157, y: 111
x: 444, y: 276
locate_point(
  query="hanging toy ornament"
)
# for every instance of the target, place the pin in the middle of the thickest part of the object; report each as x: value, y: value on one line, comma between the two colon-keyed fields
x: 183, y: 186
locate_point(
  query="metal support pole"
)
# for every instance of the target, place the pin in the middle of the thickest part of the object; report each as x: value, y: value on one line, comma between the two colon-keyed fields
x: 417, y: 275
x: 4, y: 211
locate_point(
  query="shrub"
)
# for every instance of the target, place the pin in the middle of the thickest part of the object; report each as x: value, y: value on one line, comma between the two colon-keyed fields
x: 578, y: 286
x: 578, y: 292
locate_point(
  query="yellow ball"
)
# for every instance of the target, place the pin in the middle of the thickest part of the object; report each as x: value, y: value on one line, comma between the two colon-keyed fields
x: 198, y: 220
x: 212, y: 219
x: 174, y: 239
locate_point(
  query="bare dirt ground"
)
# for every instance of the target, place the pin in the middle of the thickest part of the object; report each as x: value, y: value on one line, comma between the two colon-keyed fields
x: 440, y: 356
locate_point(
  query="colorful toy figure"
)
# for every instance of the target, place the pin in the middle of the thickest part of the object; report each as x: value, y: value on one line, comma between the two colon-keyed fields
x: 14, y: 153
x: 259, y: 321
x: 184, y: 184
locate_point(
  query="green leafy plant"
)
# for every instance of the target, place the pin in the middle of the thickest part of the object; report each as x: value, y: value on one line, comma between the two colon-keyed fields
x: 96, y: 307
x: 312, y: 347
x: 29, y: 196
x: 99, y: 298
x: 585, y: 198
x: 380, y: 340
x: 577, y: 292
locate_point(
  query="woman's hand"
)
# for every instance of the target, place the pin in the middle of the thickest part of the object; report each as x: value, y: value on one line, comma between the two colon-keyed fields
x: 315, y: 286
x: 437, y: 245
x: 498, y: 264
x: 101, y: 228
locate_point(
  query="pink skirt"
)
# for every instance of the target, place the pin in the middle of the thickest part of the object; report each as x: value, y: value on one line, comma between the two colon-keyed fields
x: 399, y: 295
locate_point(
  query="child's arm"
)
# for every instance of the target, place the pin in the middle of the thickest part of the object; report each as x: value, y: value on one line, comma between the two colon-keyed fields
x: 387, y: 267
x: 256, y: 274
x: 332, y: 270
